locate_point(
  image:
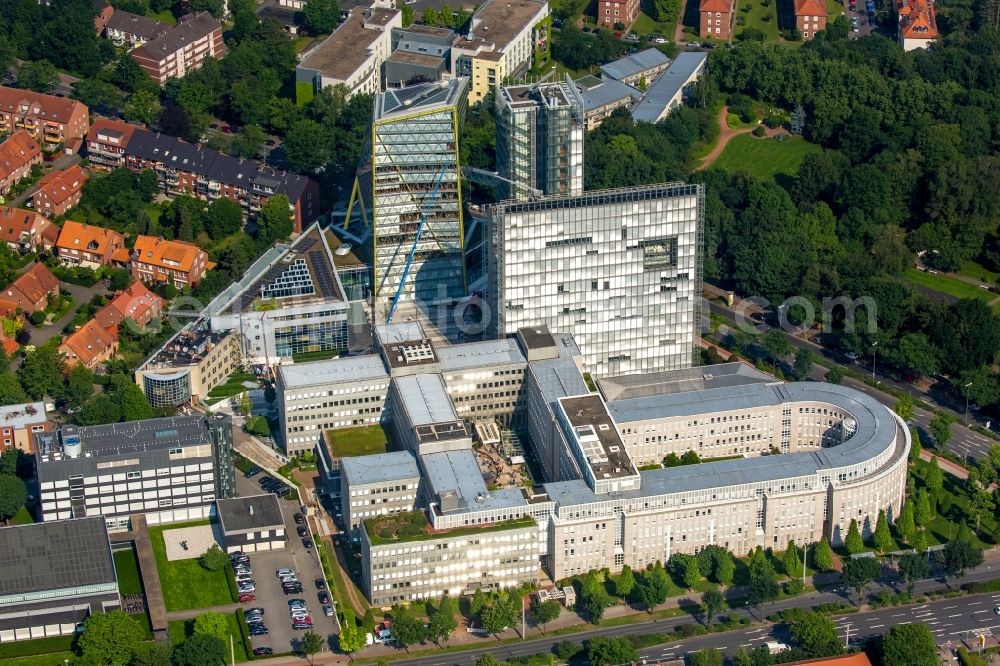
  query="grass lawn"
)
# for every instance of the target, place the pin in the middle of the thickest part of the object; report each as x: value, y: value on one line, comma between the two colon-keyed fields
x: 952, y: 511
x: 764, y: 158
x: 51, y: 648
x: 22, y: 517
x: 645, y: 25
x: 734, y: 122
x: 973, y: 270
x: 316, y: 356
x: 232, y: 385
x: 185, y: 583
x: 755, y: 18
x: 834, y: 8
x: 54, y: 659
x: 360, y: 441
x: 179, y: 630
x: 947, y: 285
x: 127, y: 568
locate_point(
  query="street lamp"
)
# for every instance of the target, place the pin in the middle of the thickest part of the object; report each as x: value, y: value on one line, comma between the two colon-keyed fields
x: 967, y: 386
x: 874, y: 354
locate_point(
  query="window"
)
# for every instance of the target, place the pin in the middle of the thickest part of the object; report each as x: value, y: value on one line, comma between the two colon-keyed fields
x: 133, y: 475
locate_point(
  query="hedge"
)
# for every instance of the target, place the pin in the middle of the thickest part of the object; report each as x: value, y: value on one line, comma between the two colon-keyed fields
x: 241, y: 622
x: 982, y: 586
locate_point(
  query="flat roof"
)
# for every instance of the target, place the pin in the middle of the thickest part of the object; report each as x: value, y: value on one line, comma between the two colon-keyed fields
x: 128, y: 437
x: 499, y: 21
x: 422, y: 59
x: 537, y: 337
x: 399, y: 332
x: 19, y: 416
x: 55, y: 555
x: 441, y: 432
x: 425, y: 399
x: 484, y: 354
x: 240, y: 514
x: 420, y: 98
x: 455, y: 471
x: 598, y: 436
x: 636, y: 63
x: 339, y: 55
x: 659, y: 93
x: 646, y: 385
x: 410, y: 353
x: 332, y: 371
x: 379, y: 468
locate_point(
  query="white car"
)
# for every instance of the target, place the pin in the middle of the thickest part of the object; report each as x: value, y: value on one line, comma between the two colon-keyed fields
x: 660, y: 40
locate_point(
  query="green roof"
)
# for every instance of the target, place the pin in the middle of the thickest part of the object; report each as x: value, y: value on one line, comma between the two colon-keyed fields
x: 413, y: 526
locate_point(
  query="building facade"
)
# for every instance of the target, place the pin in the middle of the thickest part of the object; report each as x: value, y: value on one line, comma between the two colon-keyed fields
x: 539, y: 139
x: 716, y: 19
x: 171, y: 469
x: 619, y: 269
x: 26, y: 231
x: 18, y: 153
x: 130, y: 30
x: 601, y: 97
x: 50, y: 120
x: 58, y: 191
x: 251, y: 524
x: 20, y: 423
x: 181, y: 49
x: 157, y: 260
x: 617, y: 14
x: 189, y: 365
x: 917, y: 24
x: 670, y: 88
x: 419, y: 53
x: 85, y: 245
x: 384, y: 484
x: 810, y: 17
x: 639, y: 69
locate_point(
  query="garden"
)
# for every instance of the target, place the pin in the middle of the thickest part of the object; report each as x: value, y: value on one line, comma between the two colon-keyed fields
x: 186, y: 583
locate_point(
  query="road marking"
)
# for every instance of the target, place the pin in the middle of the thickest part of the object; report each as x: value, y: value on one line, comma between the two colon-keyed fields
x: 949, y: 607
x: 955, y: 615
x: 900, y: 615
x: 979, y: 611
x: 932, y: 623
x: 876, y: 626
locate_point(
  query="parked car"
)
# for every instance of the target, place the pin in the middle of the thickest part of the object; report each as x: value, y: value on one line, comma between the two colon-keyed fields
x: 302, y: 531
x: 618, y: 34
x: 328, y: 610
x: 323, y: 597
x: 247, y: 598
x: 632, y: 37
x: 302, y: 626
x: 262, y: 651
x: 246, y: 586
x: 320, y: 584
x: 307, y: 543
x: 694, y: 45
x: 292, y: 589
x: 707, y: 45
x: 659, y: 40
x: 299, y: 518
x: 252, y: 472
x: 296, y: 602
x: 258, y: 630
x: 285, y: 571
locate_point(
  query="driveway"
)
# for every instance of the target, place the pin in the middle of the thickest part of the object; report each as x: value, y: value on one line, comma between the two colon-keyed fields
x: 80, y: 295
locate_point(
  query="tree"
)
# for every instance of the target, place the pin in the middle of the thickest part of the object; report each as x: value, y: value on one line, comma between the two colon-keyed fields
x: 351, y: 637
x: 143, y: 106
x: 913, y: 567
x: 213, y: 559
x: 545, y: 612
x: 442, y: 621
x: 981, y: 503
x: 713, y: 602
x: 213, y: 7
x: 212, y: 624
x: 321, y: 16
x: 882, y: 537
x: 223, y: 218
x: 604, y: 651
x: 961, y: 554
x: 625, y: 582
x: 652, y: 589
x: 39, y: 75
x: 803, y: 362
x: 707, y: 657
x: 906, y: 523
x: 133, y: 401
x: 909, y: 645
x: 274, y: 222
x: 13, y: 496
x: 835, y: 375
x: 41, y: 371
x: 853, y: 542
x: 488, y: 660
x: 924, y: 512
x: 110, y: 639
x: 690, y: 458
x: 79, y: 385
x: 478, y: 603
x: 407, y: 16
x: 940, y: 427
x: 860, y: 571
x: 920, y: 541
x: 249, y: 141
x: 763, y: 585
x: 822, y: 555
x: 594, y: 599
x: 685, y: 569
x: 153, y: 654
x: 791, y: 561
x: 305, y: 146
x: 406, y: 629
x: 11, y: 392
x: 672, y: 460
x: 200, y: 650
x: 904, y: 407
x: 494, y: 619
x: 816, y: 634
x: 725, y: 569
x: 776, y: 345
x: 99, y: 410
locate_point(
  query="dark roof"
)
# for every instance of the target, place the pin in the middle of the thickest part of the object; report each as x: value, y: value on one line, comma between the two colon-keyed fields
x: 128, y: 437
x: 55, y: 555
x: 140, y: 26
x: 190, y: 29
x: 241, y: 514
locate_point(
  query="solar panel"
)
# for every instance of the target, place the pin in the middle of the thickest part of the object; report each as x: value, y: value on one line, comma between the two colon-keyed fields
x: 321, y: 270
x: 160, y: 434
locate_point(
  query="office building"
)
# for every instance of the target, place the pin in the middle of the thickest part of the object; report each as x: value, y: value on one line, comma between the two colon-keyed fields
x: 170, y: 469
x: 420, y: 53
x: 383, y: 484
x: 189, y: 365
x: 251, y: 524
x: 54, y: 576
x: 618, y: 269
x: 19, y: 423
x: 181, y: 49
x: 49, y: 119
x: 602, y: 96
x: 409, y: 196
x: 540, y: 139
x: 670, y: 88
x: 638, y: 69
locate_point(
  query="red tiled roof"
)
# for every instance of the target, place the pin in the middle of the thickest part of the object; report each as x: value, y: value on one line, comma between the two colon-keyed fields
x: 37, y: 282
x: 136, y: 303
x: 917, y: 20
x: 16, y: 151
x: 716, y: 6
x: 17, y: 221
x: 50, y: 108
x: 88, y: 343
x: 158, y: 252
x: 810, y: 8
x: 61, y: 185
x: 856, y: 659
x: 106, y: 126
x: 87, y: 237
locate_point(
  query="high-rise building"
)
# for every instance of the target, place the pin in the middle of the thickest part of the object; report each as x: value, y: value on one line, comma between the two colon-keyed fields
x: 618, y: 269
x: 540, y: 138
x: 409, y: 194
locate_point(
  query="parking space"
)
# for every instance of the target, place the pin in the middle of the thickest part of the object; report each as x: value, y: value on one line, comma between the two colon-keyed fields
x: 858, y: 17
x: 281, y: 636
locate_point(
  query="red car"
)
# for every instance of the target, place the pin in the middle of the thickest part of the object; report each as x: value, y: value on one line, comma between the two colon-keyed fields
x: 247, y: 598
x: 618, y: 34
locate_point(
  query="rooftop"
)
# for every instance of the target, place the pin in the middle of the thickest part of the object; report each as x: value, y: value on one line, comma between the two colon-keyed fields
x: 55, y: 555
x: 379, y: 468
x: 79, y: 236
x: 368, y: 367
x: 597, y: 436
x: 421, y: 98
x: 19, y: 416
x: 61, y: 185
x: 497, y: 22
x: 551, y: 94
x: 666, y: 86
x: 140, y: 26
x: 413, y: 526
x: 242, y: 514
x: 188, y: 30
x: 48, y: 107
x: 455, y: 472
x: 680, y: 381
x: 172, y: 254
x: 16, y: 151
x: 339, y: 55
x: 118, y: 439
x: 636, y: 63
x: 487, y: 353
x: 410, y: 353
x: 597, y: 92
x: 425, y: 399
x: 399, y: 332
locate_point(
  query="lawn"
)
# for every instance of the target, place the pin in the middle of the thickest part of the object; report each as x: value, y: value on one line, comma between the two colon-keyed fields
x: 127, y: 568
x: 186, y: 584
x: 834, y: 8
x: 952, y: 511
x: 645, y: 25
x: 360, y: 441
x: 974, y: 270
x: 53, y: 659
x: 179, y: 630
x: 755, y: 18
x: 316, y: 355
x: 764, y: 158
x: 52, y: 648
x: 947, y: 285
x: 234, y: 384
x: 22, y: 517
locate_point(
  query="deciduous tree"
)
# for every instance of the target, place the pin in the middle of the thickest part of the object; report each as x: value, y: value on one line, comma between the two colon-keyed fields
x: 200, y: 650
x: 13, y: 496
x: 913, y: 567
x: 791, y: 561
x: 442, y: 621
x: 853, y: 542
x: 713, y: 601
x: 545, y: 611
x: 213, y: 559
x: 625, y: 582
x: 909, y: 645
x: 816, y: 634
x: 322, y: 16
x: 211, y: 623
x: 605, y: 651
x: 110, y: 639
x: 858, y: 572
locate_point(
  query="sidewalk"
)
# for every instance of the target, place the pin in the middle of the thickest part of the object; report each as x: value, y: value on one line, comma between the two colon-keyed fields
x: 945, y: 465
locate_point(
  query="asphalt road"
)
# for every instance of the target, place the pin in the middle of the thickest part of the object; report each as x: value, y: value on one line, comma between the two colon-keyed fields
x: 965, y: 442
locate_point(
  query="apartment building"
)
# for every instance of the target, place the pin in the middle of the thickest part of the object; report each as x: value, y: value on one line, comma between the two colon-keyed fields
x: 539, y: 139
x: 639, y: 69
x: 130, y: 30
x: 89, y: 346
x: 917, y: 24
x: 27, y: 231
x: 106, y: 143
x: 602, y: 96
x: 30, y: 292
x: 154, y: 259
x: 384, y: 484
x: 505, y: 38
x: 58, y: 191
x: 136, y: 303
x: 810, y: 17
x: 170, y: 469
x: 353, y: 55
x: 85, y: 245
x: 19, y: 423
x: 55, y: 575
x: 181, y: 49
x: 18, y: 153
x: 50, y: 120
x: 617, y: 14
x: 715, y: 19
x: 670, y: 88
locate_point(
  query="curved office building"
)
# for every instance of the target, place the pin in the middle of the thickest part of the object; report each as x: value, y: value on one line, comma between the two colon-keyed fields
x: 170, y: 389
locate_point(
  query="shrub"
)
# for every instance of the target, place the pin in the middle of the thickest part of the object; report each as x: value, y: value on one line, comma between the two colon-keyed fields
x: 794, y: 586
x: 566, y: 650
x: 759, y: 131
x: 37, y: 318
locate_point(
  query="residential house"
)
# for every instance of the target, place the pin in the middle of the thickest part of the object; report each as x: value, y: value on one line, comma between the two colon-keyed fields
x: 136, y: 303
x: 106, y: 143
x: 50, y: 120
x: 155, y: 259
x: 612, y: 12
x: 810, y: 17
x: 18, y: 423
x: 26, y: 230
x: 58, y: 191
x: 89, y: 346
x: 17, y: 155
x: 917, y: 24
x: 132, y: 30
x: 104, y: 14
x: 181, y: 49
x: 30, y: 292
x: 716, y: 18
x: 83, y: 244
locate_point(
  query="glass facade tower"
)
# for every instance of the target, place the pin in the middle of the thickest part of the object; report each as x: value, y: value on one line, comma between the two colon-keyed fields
x: 618, y: 269
x: 540, y: 139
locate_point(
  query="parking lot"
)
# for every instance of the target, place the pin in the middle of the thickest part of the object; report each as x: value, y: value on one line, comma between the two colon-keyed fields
x: 859, y: 15
x: 281, y: 637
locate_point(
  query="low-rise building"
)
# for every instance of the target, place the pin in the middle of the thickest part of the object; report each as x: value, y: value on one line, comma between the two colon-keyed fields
x: 715, y: 18
x: 18, y: 153
x: 810, y: 17
x: 154, y: 259
x: 30, y: 292
x: 419, y: 53
x: 668, y: 91
x: 54, y: 575
x: 106, y: 143
x: 377, y: 485
x: 132, y: 30
x: 251, y: 524
x: 917, y: 24
x: 181, y: 49
x: 85, y: 245
x: 89, y: 346
x: 602, y: 96
x: 189, y: 365
x: 19, y: 423
x: 171, y: 469
x: 136, y: 303
x: 27, y: 231
x: 58, y: 191
x: 638, y: 69
x: 617, y: 14
x: 50, y: 120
